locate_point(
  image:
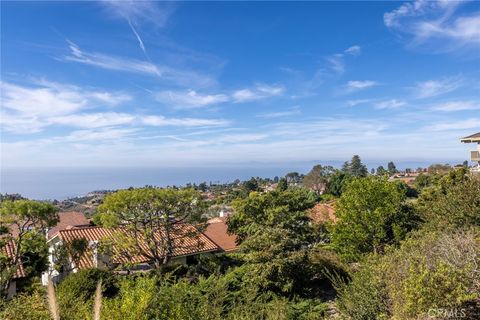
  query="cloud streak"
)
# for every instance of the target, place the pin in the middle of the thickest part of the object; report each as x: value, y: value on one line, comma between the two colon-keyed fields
x: 27, y: 110
x: 189, y: 99
x: 115, y: 63
x: 454, y: 106
x: 357, y: 85
x: 435, y: 24
x: 278, y: 114
x: 433, y: 88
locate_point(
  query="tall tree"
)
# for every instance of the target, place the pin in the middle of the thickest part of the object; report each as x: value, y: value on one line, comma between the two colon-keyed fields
x: 355, y: 167
x: 282, y: 209
x: 146, y: 211
x: 23, y: 223
x: 392, y: 169
x: 316, y: 180
x: 282, y: 184
x: 381, y: 171
x: 371, y: 214
x: 338, y: 182
x: 292, y: 177
x: 251, y: 185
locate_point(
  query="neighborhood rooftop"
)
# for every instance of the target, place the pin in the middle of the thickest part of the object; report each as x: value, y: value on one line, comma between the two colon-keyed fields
x: 183, y: 245
x: 9, y: 251
x: 217, y: 231
x: 67, y: 220
x: 472, y: 138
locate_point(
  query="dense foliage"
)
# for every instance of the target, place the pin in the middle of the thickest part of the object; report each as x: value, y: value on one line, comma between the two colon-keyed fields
x: 395, y: 251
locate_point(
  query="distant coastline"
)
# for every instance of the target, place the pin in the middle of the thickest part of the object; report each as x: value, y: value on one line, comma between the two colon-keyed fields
x: 64, y: 183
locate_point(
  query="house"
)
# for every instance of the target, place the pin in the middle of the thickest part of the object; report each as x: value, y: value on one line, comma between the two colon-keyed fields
x: 217, y: 231
x: 9, y: 251
x: 474, y: 155
x: 67, y: 220
x: 187, y: 243
x: 323, y: 212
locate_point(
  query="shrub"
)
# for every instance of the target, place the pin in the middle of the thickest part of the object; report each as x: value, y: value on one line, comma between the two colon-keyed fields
x: 365, y: 296
x: 76, y: 292
x: 25, y: 306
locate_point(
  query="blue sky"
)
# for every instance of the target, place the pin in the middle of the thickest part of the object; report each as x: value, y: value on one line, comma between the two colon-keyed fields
x: 193, y: 84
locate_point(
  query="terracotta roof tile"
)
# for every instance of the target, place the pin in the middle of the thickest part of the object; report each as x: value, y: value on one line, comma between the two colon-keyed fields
x: 187, y: 241
x: 9, y: 251
x: 69, y: 219
x: 323, y: 212
x: 217, y: 231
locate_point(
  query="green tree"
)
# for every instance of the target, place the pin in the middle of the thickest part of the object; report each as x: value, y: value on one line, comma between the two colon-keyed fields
x: 453, y: 203
x: 23, y: 223
x: 283, y: 209
x: 316, y: 180
x: 381, y: 171
x: 422, y: 181
x: 67, y: 255
x: 371, y: 215
x: 392, y: 169
x: 282, y: 184
x: 145, y: 211
x: 251, y: 185
x: 292, y: 177
x: 355, y: 167
x: 338, y: 182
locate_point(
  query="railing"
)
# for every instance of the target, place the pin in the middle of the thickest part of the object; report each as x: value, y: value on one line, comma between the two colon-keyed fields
x: 475, y: 156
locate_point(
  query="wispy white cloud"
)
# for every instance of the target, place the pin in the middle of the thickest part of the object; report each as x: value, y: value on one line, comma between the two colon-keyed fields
x: 92, y: 120
x: 167, y: 73
x: 390, y: 104
x: 472, y: 123
x: 353, y: 50
x: 356, y: 102
x: 146, y: 11
x: 337, y: 63
x: 260, y: 91
x: 357, y: 85
x: 189, y: 99
x: 436, y: 24
x: 100, y: 134
x: 453, y: 106
x: 31, y: 109
x: 278, y: 114
x: 183, y: 122
x: 137, y: 13
x: 433, y: 88
x: 45, y: 97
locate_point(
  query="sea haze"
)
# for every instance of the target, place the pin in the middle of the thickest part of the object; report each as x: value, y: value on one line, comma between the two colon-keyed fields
x: 62, y: 183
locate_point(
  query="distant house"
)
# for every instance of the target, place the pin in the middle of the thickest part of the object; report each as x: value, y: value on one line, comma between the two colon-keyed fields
x: 67, y: 220
x: 9, y: 251
x: 187, y: 242
x: 216, y: 231
x: 474, y: 155
x: 323, y: 212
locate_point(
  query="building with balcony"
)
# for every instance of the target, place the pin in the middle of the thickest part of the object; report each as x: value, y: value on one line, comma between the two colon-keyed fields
x: 475, y: 154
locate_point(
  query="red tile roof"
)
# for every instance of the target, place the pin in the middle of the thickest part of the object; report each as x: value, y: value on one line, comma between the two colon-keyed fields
x: 187, y: 241
x: 323, y: 212
x: 9, y: 251
x: 217, y: 231
x: 69, y: 219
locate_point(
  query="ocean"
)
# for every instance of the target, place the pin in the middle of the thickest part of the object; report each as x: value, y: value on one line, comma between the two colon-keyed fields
x: 63, y: 183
